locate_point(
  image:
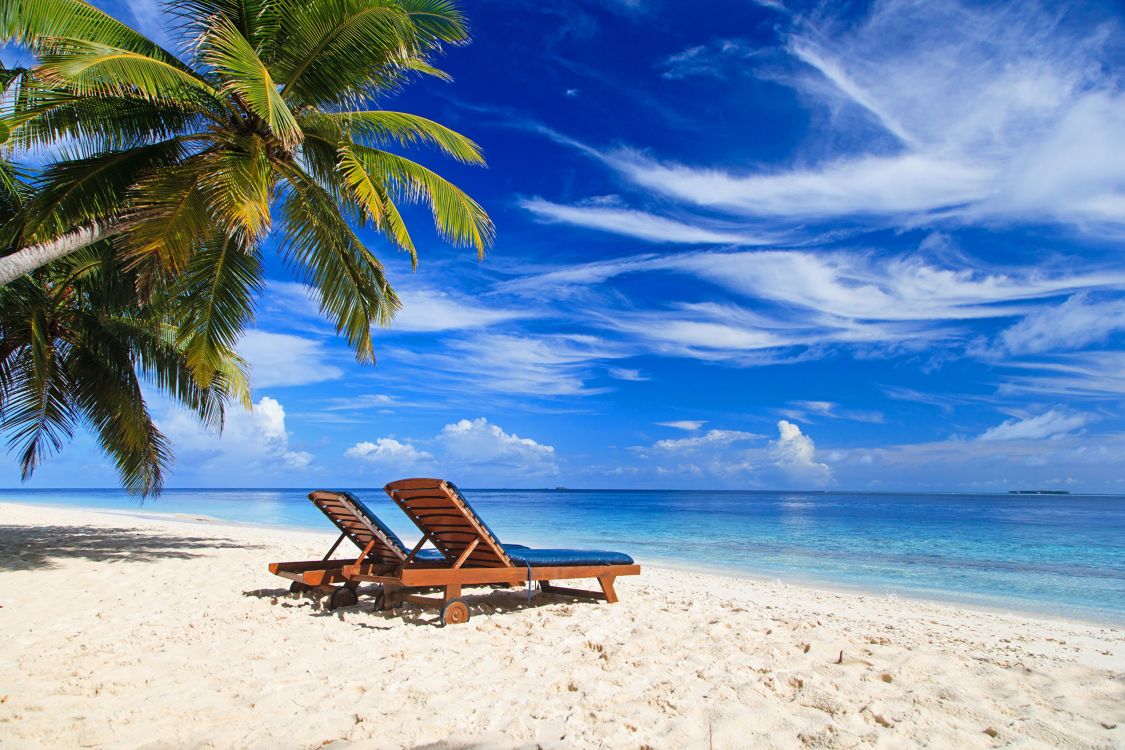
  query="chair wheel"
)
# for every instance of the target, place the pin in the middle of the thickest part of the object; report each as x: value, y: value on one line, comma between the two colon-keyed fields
x: 381, y: 602
x: 297, y: 587
x: 454, y: 612
x: 342, y: 597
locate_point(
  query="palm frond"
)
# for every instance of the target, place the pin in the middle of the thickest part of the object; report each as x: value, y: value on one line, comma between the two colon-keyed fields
x: 40, y: 23
x: 93, y: 69
x: 255, y: 20
x: 167, y: 220
x: 458, y: 218
x: 94, y: 124
x: 37, y: 411
x: 237, y: 182
x: 437, y: 21
x: 337, y: 50
x: 214, y: 302
x: 74, y: 192
x: 246, y: 77
x: 407, y: 130
x: 349, y: 281
x: 108, y: 393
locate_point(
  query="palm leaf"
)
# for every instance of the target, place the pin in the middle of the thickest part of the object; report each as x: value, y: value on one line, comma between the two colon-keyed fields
x: 74, y: 192
x: 37, y: 411
x: 337, y: 50
x: 93, y: 69
x: 40, y: 23
x: 214, y: 303
x: 459, y: 219
x: 319, y: 245
x: 246, y: 77
x: 407, y: 130
x: 437, y: 21
x: 108, y: 393
x: 93, y: 124
x: 237, y: 182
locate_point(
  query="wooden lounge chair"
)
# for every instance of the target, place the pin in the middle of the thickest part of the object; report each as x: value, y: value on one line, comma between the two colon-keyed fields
x: 474, y: 555
x: 380, y: 547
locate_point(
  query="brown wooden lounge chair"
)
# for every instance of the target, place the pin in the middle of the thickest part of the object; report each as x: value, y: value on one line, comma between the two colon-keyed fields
x: 474, y: 555
x: 381, y: 549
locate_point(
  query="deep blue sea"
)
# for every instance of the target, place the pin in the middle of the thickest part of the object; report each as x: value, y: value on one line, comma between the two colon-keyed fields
x: 1058, y: 555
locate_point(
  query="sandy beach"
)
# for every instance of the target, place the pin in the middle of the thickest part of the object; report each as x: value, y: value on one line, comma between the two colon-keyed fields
x: 127, y: 631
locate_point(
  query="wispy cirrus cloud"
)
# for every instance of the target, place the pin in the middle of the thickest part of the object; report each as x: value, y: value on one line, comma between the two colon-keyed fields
x: 715, y: 59
x: 1075, y: 324
x: 1005, y: 112
x: 283, y: 359
x: 1083, y: 375
x: 805, y: 411
x: 1049, y: 424
x: 786, y: 299
x: 639, y: 224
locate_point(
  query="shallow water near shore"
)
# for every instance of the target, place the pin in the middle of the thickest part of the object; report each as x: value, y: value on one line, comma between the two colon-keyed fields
x: 1059, y: 555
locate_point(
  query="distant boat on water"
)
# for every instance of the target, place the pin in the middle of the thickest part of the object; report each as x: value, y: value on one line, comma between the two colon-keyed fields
x: 1038, y: 492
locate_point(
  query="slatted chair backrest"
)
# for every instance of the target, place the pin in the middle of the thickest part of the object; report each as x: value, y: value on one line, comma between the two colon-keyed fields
x: 445, y: 517
x: 360, y: 525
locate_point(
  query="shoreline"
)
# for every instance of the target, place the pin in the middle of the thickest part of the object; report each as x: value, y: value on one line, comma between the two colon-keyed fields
x: 174, y: 628
x: 955, y: 599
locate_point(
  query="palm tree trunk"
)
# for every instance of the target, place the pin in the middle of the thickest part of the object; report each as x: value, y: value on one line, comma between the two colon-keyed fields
x: 27, y: 259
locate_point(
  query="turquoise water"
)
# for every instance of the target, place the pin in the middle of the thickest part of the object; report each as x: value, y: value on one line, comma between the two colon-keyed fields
x: 1060, y: 555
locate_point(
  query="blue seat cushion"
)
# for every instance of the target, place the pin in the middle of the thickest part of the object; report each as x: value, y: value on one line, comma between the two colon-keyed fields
x: 429, y: 554
x: 542, y: 558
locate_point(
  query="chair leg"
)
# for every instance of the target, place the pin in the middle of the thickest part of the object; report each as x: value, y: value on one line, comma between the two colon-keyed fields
x: 392, y: 596
x: 452, y: 591
x: 607, y: 588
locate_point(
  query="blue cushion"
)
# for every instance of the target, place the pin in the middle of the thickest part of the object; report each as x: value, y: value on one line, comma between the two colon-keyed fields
x: 540, y: 558
x: 476, y: 515
x: 376, y: 521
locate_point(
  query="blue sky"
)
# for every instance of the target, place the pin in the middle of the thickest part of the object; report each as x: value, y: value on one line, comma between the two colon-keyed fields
x: 740, y: 245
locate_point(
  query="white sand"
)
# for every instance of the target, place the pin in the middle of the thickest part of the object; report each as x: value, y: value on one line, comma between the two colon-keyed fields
x: 140, y: 632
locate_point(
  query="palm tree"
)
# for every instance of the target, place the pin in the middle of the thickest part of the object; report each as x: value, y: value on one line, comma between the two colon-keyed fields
x: 75, y: 346
x: 187, y: 165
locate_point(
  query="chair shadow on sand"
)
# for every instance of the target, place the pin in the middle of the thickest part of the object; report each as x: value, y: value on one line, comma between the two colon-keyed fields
x: 30, y: 547
x: 495, y: 601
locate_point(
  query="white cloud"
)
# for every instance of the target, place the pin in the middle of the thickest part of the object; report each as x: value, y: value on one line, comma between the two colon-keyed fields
x: 709, y: 439
x: 811, y: 300
x: 537, y: 365
x: 388, y: 451
x: 990, y: 466
x: 716, y: 59
x: 431, y: 310
x: 623, y: 373
x: 802, y: 410
x: 252, y: 443
x: 690, y: 425
x: 1050, y: 424
x: 849, y: 187
x: 1095, y: 374
x: 477, y: 441
x: 1000, y: 112
x: 283, y: 359
x: 866, y: 287
x: 1075, y: 324
x: 794, y: 453
x: 644, y: 226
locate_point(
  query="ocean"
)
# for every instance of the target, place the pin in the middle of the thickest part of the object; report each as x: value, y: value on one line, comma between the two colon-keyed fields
x: 1047, y: 554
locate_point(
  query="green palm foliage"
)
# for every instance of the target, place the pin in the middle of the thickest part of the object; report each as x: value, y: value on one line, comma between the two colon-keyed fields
x: 75, y: 347
x: 264, y: 127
